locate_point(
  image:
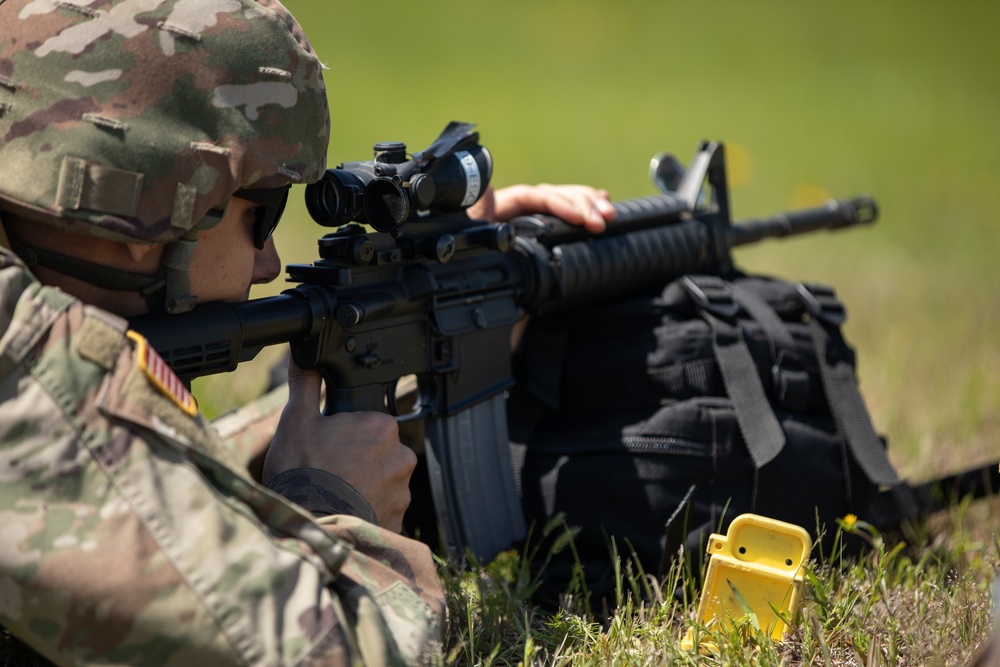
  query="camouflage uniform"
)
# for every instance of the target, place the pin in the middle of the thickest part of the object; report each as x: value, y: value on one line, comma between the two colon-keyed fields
x: 126, y: 536
x: 129, y: 532
x: 248, y: 430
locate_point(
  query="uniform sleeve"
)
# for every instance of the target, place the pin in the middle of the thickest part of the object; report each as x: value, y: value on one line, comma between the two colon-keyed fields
x: 248, y: 430
x: 128, y: 537
x: 247, y: 433
x: 321, y: 493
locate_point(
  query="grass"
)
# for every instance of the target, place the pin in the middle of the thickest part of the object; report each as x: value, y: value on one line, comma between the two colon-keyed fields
x: 900, y: 603
x: 896, y: 99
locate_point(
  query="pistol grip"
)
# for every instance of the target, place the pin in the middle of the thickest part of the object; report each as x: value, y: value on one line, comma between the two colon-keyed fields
x: 366, y: 398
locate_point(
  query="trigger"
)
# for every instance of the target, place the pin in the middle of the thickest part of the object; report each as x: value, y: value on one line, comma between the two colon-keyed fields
x: 390, y: 398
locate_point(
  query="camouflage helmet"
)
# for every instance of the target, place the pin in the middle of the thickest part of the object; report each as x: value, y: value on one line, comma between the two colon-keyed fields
x: 136, y: 120
x: 131, y: 119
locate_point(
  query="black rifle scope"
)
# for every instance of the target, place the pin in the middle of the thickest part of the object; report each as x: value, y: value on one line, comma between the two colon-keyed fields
x: 448, y: 177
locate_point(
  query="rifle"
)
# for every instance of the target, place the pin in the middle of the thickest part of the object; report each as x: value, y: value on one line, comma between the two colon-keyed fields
x: 433, y: 294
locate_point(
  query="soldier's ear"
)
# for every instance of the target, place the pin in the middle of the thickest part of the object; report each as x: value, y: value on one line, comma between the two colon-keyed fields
x: 139, y: 251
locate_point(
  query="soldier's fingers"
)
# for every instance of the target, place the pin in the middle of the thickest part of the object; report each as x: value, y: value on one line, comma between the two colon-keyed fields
x: 304, y: 388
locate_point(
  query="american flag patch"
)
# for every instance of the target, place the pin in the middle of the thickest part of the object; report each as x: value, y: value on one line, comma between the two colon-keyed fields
x: 161, y: 375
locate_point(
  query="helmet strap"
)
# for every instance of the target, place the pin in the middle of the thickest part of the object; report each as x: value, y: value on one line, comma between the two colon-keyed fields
x: 154, y: 288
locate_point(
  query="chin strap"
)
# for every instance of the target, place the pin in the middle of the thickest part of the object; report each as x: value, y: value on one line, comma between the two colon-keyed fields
x: 152, y: 287
x: 168, y: 290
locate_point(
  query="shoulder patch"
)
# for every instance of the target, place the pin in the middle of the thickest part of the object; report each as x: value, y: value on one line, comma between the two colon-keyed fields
x: 161, y: 375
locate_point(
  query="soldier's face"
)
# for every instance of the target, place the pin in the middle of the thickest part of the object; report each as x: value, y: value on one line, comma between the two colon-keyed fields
x: 226, y: 263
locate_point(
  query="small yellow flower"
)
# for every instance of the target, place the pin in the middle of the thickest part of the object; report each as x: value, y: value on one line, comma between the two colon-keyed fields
x: 850, y: 520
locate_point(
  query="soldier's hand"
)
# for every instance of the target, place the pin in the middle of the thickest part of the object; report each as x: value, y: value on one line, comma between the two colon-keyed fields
x: 576, y: 204
x: 362, y: 448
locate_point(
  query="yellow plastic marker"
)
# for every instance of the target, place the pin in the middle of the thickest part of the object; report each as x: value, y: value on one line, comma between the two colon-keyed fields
x: 759, y: 560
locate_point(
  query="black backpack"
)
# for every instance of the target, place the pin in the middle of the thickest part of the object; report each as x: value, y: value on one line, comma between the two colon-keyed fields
x: 657, y: 420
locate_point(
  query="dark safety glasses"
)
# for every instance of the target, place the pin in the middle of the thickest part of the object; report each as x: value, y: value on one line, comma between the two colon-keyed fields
x: 270, y: 205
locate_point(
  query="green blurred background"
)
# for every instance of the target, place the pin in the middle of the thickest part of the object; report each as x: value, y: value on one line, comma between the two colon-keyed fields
x: 895, y: 99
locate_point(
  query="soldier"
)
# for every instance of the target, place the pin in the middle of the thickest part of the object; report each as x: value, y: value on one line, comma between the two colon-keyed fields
x: 146, y: 150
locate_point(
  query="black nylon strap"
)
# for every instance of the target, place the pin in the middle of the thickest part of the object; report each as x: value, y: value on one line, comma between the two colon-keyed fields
x: 151, y: 286
x: 758, y: 425
x: 76, y: 267
x: 905, y: 502
x: 758, y: 308
x: 789, y: 379
x: 840, y: 384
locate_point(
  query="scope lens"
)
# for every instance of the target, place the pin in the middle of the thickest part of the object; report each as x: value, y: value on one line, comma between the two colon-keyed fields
x: 386, y: 204
x: 326, y: 200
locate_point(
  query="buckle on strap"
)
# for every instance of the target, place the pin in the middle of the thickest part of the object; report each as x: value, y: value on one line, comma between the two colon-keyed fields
x: 822, y: 303
x: 790, y: 383
x: 711, y: 294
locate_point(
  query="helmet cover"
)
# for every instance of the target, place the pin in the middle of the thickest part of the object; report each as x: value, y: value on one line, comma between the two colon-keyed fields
x: 131, y: 119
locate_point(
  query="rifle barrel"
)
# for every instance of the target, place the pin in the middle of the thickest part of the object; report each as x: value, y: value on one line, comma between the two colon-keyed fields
x: 835, y: 214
